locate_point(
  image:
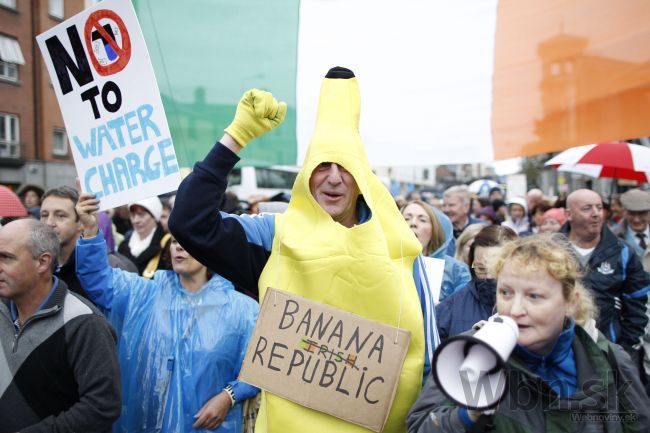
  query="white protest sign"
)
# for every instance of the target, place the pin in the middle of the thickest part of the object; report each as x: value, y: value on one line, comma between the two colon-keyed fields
x: 435, y: 269
x: 516, y: 185
x: 102, y: 75
x: 326, y: 359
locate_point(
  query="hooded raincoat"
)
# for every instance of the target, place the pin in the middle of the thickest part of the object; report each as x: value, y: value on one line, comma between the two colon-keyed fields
x: 522, y: 225
x: 177, y: 349
x: 456, y: 272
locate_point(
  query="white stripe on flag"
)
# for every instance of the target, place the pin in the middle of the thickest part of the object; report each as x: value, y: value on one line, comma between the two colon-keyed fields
x: 431, y: 59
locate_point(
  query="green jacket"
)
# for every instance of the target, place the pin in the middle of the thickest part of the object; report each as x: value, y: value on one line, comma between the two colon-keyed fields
x: 609, y: 398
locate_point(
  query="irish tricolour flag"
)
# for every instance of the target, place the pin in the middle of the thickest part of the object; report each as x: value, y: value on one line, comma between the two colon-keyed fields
x: 441, y: 81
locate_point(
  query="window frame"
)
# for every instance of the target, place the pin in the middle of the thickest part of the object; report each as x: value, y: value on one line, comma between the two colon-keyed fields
x: 6, y: 143
x: 58, y: 151
x: 59, y: 12
x: 8, y: 66
x: 9, y: 4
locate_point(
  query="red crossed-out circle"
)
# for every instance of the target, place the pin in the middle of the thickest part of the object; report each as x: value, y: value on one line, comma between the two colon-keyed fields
x: 124, y: 52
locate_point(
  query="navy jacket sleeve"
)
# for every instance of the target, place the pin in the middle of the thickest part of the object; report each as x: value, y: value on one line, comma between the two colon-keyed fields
x: 635, y: 296
x: 433, y: 413
x: 217, y: 241
x: 443, y: 317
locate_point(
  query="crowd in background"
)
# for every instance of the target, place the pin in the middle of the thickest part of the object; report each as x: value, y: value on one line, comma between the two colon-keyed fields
x: 606, y: 239
x: 462, y: 229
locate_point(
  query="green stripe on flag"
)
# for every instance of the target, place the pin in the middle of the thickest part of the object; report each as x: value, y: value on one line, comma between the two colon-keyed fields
x: 206, y: 53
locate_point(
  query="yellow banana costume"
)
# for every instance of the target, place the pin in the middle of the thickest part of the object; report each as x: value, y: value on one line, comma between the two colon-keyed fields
x: 366, y: 269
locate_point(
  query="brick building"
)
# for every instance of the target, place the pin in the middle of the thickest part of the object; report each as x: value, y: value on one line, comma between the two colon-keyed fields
x: 33, y: 143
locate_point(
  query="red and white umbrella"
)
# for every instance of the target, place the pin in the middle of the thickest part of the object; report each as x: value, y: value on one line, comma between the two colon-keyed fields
x: 618, y: 160
x: 10, y: 204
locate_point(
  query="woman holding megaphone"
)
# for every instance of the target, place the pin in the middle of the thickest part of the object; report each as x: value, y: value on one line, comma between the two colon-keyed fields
x: 560, y: 377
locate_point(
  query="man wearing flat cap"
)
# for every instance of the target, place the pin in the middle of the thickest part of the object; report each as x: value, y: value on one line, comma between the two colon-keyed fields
x: 635, y: 228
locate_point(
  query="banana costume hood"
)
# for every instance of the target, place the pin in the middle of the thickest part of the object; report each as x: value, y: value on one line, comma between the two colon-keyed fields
x: 366, y: 269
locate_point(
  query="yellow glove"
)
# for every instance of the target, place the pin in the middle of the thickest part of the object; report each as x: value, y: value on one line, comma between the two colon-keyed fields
x: 257, y: 113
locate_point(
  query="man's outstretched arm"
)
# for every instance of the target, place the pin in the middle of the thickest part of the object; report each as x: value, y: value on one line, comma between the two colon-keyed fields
x: 236, y: 247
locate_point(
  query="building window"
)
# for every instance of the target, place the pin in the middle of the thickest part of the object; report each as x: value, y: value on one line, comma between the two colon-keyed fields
x: 11, y: 4
x: 9, y: 136
x: 55, y: 8
x: 10, y: 57
x: 8, y: 71
x: 60, y: 143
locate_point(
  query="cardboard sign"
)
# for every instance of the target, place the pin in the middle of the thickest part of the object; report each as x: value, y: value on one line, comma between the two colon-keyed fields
x: 325, y: 358
x: 114, y: 117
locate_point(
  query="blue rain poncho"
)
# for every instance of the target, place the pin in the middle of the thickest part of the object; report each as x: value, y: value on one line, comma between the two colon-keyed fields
x: 177, y: 349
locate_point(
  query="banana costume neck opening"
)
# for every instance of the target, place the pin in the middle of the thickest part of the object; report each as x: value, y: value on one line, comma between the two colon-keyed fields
x: 336, y: 191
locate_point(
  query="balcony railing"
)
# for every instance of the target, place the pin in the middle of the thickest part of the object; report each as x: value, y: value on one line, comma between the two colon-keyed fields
x: 9, y: 149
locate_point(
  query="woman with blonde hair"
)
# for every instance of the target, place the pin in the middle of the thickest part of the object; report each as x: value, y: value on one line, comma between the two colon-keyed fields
x: 465, y: 241
x: 434, y: 231
x: 572, y: 382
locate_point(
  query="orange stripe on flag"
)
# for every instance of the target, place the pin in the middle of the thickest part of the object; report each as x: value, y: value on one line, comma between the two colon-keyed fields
x: 568, y: 73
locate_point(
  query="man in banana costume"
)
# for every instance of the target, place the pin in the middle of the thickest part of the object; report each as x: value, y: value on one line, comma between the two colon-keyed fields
x: 341, y: 242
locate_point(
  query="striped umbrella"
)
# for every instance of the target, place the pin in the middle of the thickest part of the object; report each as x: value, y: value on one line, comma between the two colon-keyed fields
x: 617, y: 160
x: 10, y: 205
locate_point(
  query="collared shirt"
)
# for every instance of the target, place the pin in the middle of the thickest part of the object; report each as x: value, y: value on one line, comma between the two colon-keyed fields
x: 633, y: 234
x: 14, y: 310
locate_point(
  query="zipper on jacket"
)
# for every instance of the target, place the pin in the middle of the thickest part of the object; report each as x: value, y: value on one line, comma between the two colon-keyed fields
x: 40, y: 315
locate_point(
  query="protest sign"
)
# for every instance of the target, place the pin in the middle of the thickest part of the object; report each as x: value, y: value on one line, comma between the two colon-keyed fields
x: 102, y: 76
x: 325, y: 358
x: 516, y: 185
x: 435, y: 269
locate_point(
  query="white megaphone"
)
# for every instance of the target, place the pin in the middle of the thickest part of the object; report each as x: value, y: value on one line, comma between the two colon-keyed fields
x: 469, y: 368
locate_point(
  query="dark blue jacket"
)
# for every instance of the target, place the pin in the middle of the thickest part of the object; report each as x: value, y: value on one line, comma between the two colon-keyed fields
x: 463, y: 308
x: 620, y: 287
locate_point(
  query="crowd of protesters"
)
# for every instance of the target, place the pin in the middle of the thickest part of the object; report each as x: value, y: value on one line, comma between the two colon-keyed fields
x: 159, y: 298
x: 118, y: 254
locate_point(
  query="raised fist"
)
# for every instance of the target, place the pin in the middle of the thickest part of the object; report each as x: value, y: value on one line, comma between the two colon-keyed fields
x: 258, y: 112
